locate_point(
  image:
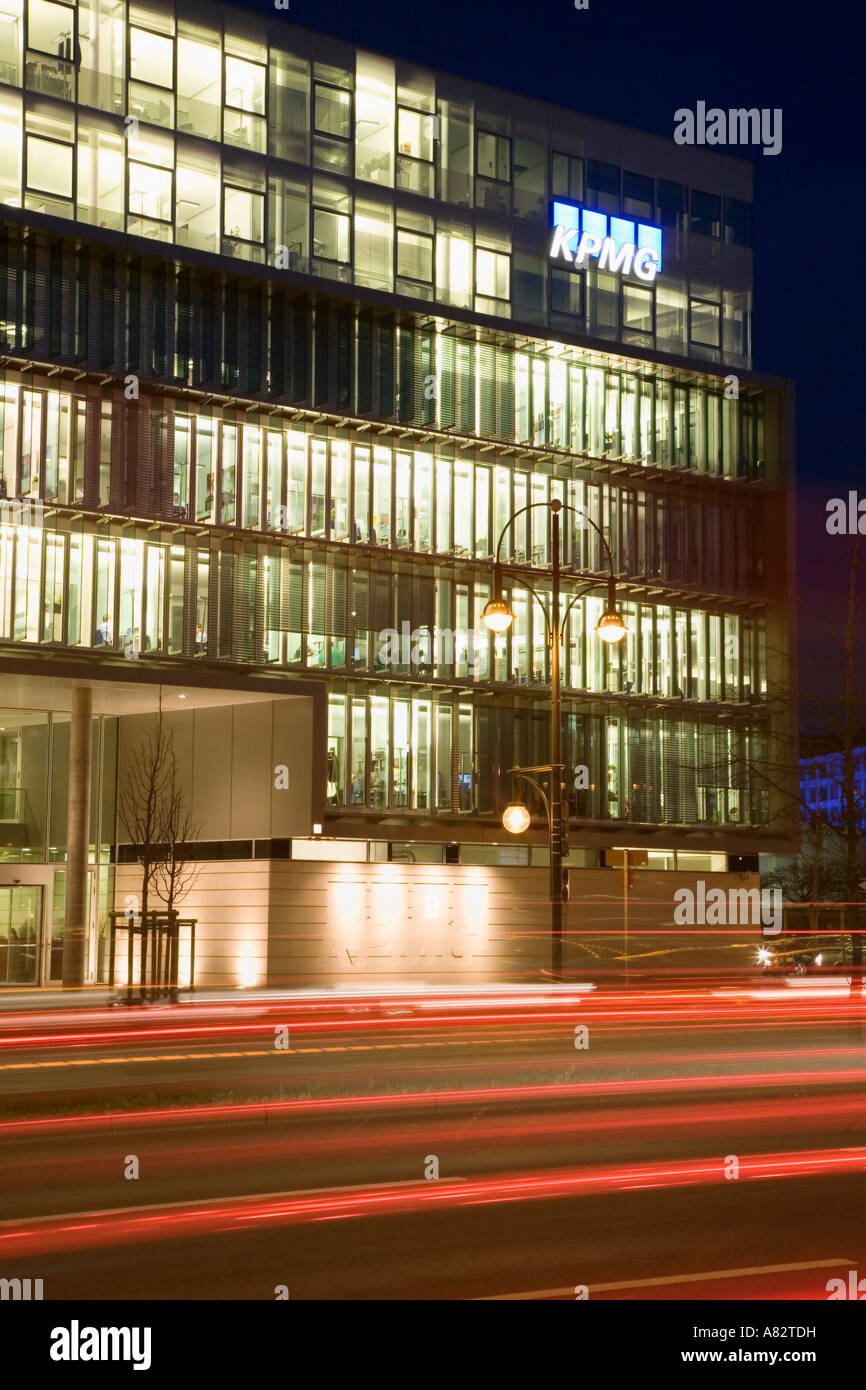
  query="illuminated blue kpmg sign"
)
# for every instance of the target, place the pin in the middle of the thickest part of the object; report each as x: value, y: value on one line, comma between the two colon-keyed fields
x: 618, y: 244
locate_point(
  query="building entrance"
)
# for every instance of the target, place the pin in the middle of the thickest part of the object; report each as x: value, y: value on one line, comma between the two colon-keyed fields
x: 20, y: 933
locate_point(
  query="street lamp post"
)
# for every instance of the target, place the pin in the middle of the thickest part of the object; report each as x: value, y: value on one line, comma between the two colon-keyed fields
x: 498, y: 616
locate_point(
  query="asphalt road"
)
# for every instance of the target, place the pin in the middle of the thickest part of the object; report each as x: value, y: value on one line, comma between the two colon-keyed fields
x: 699, y: 1144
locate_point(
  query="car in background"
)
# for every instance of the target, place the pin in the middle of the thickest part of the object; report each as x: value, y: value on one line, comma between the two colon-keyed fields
x: 787, y: 958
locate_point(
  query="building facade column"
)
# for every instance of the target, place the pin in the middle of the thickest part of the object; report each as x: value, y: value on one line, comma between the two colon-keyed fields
x: 76, y: 923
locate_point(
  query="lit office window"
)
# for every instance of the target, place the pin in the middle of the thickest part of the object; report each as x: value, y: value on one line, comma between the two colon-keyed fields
x: 53, y: 590
x: 100, y: 177
x: 198, y: 82
x: 57, y: 445
x: 375, y: 119
x: 423, y: 501
x: 381, y: 530
x: 400, y: 781
x: 332, y: 111
x: 414, y: 256
x: 289, y: 106
x: 151, y: 58
x: 49, y: 170
x: 296, y: 495
x: 275, y: 492
x: 379, y: 749
x: 637, y: 308
x: 252, y: 477
x: 11, y: 38
x: 289, y: 221
x: 243, y: 215
x: 330, y: 235
x: 361, y: 510
x: 671, y: 314
x: 415, y: 134
x: 50, y: 30
x: 454, y: 266
x: 374, y: 244
x: 455, y: 152
x: 154, y: 597
x: 358, y: 792
x: 102, y: 40
x: 198, y: 196
x: 10, y: 148
x: 228, y: 472
x: 205, y: 456
x: 318, y: 468
x: 422, y: 790
x: 339, y: 500
x: 150, y: 193
x: 402, y: 471
x: 415, y: 151
x: 492, y: 274
x: 243, y: 121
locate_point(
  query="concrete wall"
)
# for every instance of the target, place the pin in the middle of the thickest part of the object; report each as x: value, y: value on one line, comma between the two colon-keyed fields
x: 297, y: 922
x: 227, y: 755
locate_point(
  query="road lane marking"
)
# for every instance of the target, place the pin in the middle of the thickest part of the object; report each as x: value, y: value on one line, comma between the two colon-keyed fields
x: 705, y: 1278
x: 196, y: 1056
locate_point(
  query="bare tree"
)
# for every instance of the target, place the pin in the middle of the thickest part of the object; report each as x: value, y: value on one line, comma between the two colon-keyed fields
x: 175, y: 873
x: 142, y: 801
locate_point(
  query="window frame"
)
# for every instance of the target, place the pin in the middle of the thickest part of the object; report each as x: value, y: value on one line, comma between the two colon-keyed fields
x: 627, y: 286
x: 164, y: 222
x: 315, y: 129
x: 489, y: 251
x: 27, y: 187
x: 145, y: 82
x: 697, y: 301
x: 426, y: 236
x: 572, y: 159
x: 226, y: 187
x: 558, y: 276
x: 494, y: 178
x: 350, y: 218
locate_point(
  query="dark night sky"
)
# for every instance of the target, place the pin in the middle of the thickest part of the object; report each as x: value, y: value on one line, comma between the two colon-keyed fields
x: 636, y: 62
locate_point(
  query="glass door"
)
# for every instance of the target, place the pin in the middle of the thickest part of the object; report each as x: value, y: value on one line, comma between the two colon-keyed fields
x: 20, y: 910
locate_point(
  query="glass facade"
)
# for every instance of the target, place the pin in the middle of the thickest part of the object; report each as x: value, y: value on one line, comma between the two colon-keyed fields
x: 34, y: 756
x: 276, y: 395
x: 255, y: 140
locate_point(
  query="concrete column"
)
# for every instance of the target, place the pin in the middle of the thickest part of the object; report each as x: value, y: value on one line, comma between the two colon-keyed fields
x: 77, y: 920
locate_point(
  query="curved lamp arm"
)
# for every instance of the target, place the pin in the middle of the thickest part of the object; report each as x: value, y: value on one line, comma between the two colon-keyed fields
x: 524, y: 777
x: 556, y: 505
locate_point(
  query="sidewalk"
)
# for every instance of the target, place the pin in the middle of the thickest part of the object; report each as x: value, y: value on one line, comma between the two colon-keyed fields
x: 14, y: 999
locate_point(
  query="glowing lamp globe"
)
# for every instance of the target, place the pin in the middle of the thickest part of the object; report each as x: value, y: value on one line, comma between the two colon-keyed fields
x: 497, y: 615
x: 611, y: 626
x: 515, y: 818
